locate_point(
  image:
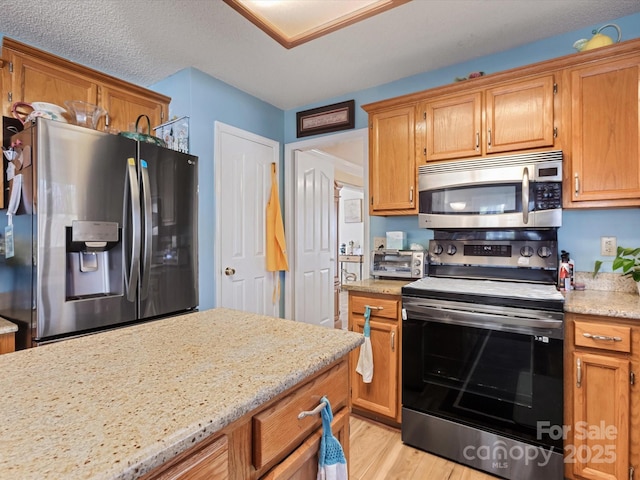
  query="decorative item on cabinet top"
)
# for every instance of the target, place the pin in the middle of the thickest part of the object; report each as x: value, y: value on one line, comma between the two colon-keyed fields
x: 142, y: 137
x: 175, y: 134
x: 598, y: 39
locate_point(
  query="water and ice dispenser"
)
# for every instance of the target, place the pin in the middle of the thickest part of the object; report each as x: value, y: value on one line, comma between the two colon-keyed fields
x: 94, y: 253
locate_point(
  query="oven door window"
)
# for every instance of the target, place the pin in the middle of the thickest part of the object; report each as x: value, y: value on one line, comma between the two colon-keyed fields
x: 473, y: 200
x: 500, y: 381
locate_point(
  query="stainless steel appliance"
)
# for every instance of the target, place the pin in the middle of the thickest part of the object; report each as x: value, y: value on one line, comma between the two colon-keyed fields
x: 482, y: 353
x: 398, y: 263
x: 517, y: 191
x: 105, y: 233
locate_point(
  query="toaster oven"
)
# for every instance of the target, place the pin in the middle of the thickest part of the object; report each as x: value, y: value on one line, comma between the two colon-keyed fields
x: 398, y: 263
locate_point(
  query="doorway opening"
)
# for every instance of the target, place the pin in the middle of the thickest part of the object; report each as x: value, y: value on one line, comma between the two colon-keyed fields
x: 348, y: 153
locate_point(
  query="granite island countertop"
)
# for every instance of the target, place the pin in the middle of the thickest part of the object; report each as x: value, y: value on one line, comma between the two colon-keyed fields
x: 117, y: 404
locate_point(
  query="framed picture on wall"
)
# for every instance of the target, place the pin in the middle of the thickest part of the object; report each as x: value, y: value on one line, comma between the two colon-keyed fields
x: 330, y: 118
x: 353, y: 210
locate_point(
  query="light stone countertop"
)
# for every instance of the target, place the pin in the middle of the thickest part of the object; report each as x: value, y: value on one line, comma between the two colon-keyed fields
x: 372, y: 285
x: 7, y: 327
x: 623, y: 303
x: 601, y: 302
x: 117, y: 404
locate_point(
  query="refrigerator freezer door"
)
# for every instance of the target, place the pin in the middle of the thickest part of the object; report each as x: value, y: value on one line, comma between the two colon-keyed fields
x: 80, y: 175
x: 169, y: 188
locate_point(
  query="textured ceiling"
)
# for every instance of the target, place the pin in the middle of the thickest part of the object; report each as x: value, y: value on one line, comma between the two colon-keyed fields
x: 144, y: 41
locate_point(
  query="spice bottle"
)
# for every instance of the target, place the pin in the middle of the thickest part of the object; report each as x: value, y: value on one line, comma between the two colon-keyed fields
x: 565, y: 273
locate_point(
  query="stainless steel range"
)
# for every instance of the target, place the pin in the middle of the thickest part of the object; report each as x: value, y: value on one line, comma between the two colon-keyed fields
x: 482, y: 353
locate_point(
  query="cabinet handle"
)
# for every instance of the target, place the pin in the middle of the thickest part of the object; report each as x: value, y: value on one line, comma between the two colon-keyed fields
x: 315, y: 411
x: 411, y: 195
x: 604, y: 338
x: 489, y: 140
x: 477, y: 141
x: 371, y: 307
x: 578, y: 373
x: 576, y: 183
x: 393, y: 341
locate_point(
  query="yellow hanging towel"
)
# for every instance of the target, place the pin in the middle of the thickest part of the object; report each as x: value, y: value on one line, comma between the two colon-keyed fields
x: 276, y: 244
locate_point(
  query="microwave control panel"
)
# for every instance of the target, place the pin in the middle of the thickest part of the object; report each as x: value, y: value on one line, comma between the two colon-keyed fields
x: 547, y: 195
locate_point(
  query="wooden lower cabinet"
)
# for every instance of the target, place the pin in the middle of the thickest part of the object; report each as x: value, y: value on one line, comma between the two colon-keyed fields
x: 302, y: 464
x: 602, y: 406
x: 270, y: 442
x: 379, y: 399
x: 7, y: 343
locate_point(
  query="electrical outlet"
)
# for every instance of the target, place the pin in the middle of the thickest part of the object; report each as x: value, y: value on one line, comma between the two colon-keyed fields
x: 379, y: 243
x: 608, y: 246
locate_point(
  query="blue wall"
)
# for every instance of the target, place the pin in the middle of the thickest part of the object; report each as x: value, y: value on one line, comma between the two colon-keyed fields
x: 581, y: 230
x: 206, y: 100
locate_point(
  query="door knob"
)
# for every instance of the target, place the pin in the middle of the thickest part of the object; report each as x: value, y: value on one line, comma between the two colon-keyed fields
x: 229, y: 271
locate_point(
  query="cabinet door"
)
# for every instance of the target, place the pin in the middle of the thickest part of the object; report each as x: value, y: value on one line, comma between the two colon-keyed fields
x: 302, y: 464
x: 381, y: 395
x: 520, y: 115
x: 125, y: 107
x: 453, y: 127
x: 600, y: 429
x: 605, y: 133
x: 392, y: 166
x: 36, y: 80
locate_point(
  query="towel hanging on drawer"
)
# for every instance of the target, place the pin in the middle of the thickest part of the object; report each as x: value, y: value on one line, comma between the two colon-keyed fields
x: 332, y: 465
x: 365, y: 361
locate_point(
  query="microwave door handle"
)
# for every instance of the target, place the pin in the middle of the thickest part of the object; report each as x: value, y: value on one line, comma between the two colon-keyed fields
x: 525, y: 196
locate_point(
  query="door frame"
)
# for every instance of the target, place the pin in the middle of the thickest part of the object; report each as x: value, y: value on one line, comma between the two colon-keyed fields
x: 289, y: 196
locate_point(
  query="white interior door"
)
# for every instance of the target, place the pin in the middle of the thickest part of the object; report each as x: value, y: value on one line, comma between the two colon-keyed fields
x: 243, y: 173
x: 314, y: 240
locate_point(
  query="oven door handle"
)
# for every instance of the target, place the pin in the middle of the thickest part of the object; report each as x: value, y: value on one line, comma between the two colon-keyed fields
x: 487, y: 321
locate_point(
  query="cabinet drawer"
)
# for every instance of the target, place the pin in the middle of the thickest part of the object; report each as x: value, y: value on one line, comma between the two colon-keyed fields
x: 277, y: 431
x: 603, y: 336
x: 389, y: 306
x: 303, y: 462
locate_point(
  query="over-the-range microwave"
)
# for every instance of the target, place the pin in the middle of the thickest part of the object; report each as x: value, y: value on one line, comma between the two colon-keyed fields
x: 515, y: 191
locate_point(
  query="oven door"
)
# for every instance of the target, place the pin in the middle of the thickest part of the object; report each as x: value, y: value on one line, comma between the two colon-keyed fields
x: 499, y: 370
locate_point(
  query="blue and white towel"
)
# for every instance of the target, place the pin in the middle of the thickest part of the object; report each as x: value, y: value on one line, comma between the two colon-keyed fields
x: 332, y: 465
x: 365, y: 360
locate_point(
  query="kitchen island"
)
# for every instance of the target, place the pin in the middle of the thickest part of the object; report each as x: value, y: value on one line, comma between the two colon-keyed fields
x: 118, y: 404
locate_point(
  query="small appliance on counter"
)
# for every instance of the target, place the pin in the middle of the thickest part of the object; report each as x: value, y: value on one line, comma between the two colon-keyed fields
x: 391, y: 263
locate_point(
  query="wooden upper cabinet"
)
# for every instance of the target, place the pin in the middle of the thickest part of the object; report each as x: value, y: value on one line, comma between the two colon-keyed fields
x: 454, y: 126
x: 124, y: 108
x: 32, y: 75
x: 392, y: 166
x: 519, y: 115
x: 507, y: 117
x: 603, y: 168
x: 31, y: 79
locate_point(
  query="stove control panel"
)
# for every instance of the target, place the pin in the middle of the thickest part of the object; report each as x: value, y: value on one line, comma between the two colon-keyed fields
x: 519, y: 253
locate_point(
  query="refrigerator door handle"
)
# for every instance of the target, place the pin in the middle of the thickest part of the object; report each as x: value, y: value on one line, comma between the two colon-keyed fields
x: 148, y: 230
x: 131, y: 279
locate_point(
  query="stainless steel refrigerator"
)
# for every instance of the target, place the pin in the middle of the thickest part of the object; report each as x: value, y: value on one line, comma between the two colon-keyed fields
x: 104, y: 234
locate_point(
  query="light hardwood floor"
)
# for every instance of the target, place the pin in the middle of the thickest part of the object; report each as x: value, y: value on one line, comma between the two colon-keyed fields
x: 377, y: 453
